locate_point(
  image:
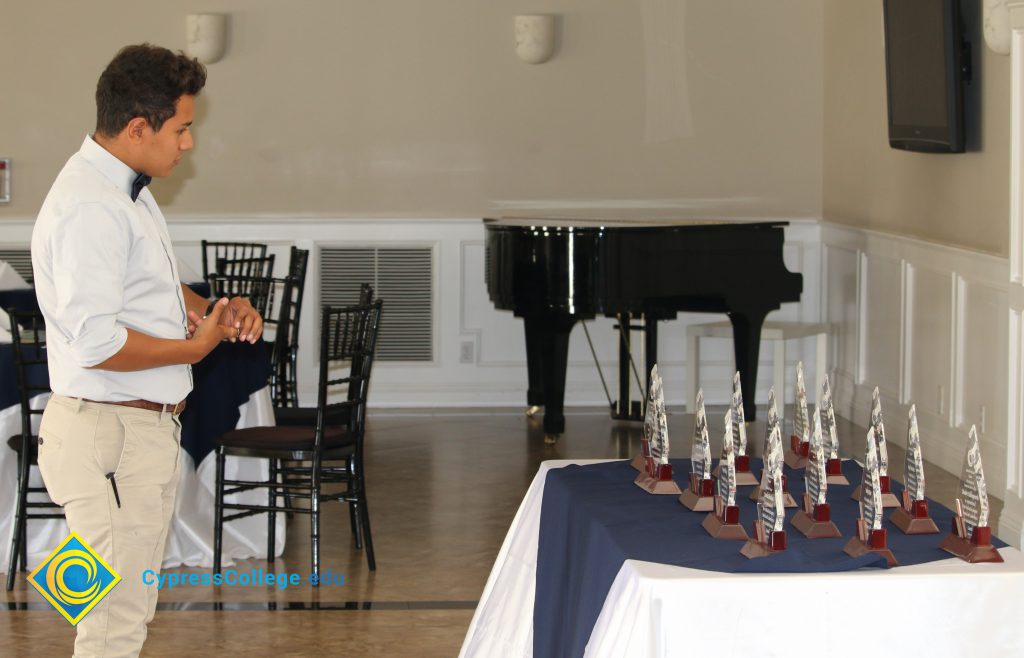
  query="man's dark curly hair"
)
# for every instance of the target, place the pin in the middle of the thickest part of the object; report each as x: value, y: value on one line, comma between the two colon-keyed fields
x: 144, y: 81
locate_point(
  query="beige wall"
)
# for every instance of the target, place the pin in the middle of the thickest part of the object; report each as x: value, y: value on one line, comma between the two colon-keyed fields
x: 410, y: 108
x: 959, y: 199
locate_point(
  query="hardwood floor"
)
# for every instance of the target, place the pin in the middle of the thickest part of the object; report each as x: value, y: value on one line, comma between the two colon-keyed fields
x: 443, y: 487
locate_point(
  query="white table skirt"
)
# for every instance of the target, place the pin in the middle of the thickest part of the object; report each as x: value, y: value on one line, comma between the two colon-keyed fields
x: 943, y: 608
x: 190, y: 540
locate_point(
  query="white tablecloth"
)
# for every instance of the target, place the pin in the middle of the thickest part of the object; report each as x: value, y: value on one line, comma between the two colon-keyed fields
x: 943, y: 608
x: 190, y: 540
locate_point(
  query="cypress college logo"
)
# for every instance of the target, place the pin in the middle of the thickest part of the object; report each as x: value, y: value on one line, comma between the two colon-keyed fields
x: 74, y: 578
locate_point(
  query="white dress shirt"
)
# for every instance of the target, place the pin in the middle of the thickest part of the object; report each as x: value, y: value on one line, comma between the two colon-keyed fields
x: 103, y: 265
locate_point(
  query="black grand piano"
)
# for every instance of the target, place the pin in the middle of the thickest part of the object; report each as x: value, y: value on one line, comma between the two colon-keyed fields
x: 552, y: 273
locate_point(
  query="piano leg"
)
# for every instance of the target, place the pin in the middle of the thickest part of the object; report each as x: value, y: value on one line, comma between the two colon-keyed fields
x: 746, y: 338
x: 547, y: 355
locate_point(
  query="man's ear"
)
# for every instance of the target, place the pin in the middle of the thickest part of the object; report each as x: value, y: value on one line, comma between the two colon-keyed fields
x: 135, y: 129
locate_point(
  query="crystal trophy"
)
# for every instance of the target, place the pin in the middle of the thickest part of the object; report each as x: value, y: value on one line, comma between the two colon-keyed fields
x: 724, y: 520
x: 834, y: 465
x: 912, y: 516
x: 743, y: 476
x: 800, y: 439
x: 656, y: 478
x: 815, y: 518
x: 888, y: 498
x: 971, y: 539
x: 700, y: 495
x: 771, y: 436
x: 870, y: 536
x: 650, y: 423
x: 769, y: 526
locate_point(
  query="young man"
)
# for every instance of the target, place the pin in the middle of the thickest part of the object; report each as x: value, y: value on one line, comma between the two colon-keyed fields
x: 122, y: 332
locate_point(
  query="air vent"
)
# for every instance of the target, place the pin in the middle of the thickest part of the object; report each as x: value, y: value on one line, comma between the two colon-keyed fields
x: 403, y: 277
x: 20, y: 260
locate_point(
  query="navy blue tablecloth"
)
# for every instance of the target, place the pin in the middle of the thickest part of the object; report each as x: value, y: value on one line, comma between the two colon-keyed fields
x: 22, y: 299
x: 593, y: 518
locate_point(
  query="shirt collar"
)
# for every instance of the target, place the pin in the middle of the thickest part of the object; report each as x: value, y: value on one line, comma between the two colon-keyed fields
x: 120, y: 174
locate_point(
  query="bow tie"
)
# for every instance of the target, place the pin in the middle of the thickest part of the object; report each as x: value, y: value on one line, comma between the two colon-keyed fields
x: 141, y: 181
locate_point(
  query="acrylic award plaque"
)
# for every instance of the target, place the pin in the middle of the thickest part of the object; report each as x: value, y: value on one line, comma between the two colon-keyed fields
x: 833, y: 465
x: 773, y: 434
x: 912, y: 516
x: 800, y: 439
x: 769, y: 533
x: 700, y: 494
x: 656, y: 478
x: 814, y: 520
x: 889, y: 499
x: 971, y: 539
x: 870, y: 536
x: 724, y: 520
x: 650, y: 424
x: 743, y: 476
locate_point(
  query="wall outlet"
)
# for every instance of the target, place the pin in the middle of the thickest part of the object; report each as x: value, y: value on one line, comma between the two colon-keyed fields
x: 466, y: 352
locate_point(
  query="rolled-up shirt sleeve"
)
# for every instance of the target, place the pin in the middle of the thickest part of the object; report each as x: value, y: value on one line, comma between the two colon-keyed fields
x: 89, y: 256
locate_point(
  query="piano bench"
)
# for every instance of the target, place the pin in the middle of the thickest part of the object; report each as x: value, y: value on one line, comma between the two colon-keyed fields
x: 779, y: 332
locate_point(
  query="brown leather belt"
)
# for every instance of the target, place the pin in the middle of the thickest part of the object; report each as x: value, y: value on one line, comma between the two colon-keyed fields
x: 147, y: 405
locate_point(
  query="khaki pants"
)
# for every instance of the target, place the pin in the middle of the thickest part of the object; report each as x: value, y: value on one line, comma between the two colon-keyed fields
x: 80, y: 443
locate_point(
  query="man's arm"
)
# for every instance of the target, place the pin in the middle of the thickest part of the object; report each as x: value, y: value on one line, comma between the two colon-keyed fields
x: 193, y: 301
x: 142, y: 352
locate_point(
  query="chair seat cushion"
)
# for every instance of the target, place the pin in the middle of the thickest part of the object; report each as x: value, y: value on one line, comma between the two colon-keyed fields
x: 284, y: 438
x: 14, y: 443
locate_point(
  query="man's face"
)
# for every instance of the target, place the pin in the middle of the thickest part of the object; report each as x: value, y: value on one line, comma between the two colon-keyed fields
x: 163, y: 149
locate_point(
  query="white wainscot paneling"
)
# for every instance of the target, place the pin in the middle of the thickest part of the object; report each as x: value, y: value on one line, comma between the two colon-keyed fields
x: 929, y: 346
x: 984, y: 376
x: 881, y: 311
x: 842, y: 310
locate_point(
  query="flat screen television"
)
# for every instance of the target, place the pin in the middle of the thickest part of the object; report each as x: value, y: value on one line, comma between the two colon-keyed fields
x: 926, y: 66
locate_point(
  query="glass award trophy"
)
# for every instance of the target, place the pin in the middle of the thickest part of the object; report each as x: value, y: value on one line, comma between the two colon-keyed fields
x: 656, y: 478
x: 724, y: 520
x: 770, y: 436
x: 871, y: 536
x: 833, y: 465
x: 971, y: 539
x: 814, y: 519
x: 800, y: 439
x: 743, y: 476
x: 888, y: 498
x: 769, y: 531
x: 700, y: 495
x: 912, y: 516
x: 650, y: 423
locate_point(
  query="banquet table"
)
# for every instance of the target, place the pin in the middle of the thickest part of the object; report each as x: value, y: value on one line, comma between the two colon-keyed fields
x: 942, y: 607
x: 230, y: 390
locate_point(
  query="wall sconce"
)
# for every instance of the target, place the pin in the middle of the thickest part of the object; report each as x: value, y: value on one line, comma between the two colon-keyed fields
x: 206, y: 36
x: 535, y: 37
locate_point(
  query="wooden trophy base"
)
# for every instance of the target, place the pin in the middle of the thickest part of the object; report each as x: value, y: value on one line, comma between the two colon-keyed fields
x: 763, y: 544
x: 889, y: 499
x: 663, y: 485
x: 723, y: 522
x: 787, y: 498
x: 914, y: 521
x: 875, y: 543
x: 639, y: 463
x: 977, y: 549
x: 700, y: 495
x: 815, y: 521
x: 796, y: 453
x: 834, y: 472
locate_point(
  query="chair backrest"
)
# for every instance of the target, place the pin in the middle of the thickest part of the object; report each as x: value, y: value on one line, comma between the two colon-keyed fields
x: 284, y: 384
x: 347, y: 335
x: 28, y: 334
x: 258, y: 289
x: 255, y: 266
x: 212, y: 251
